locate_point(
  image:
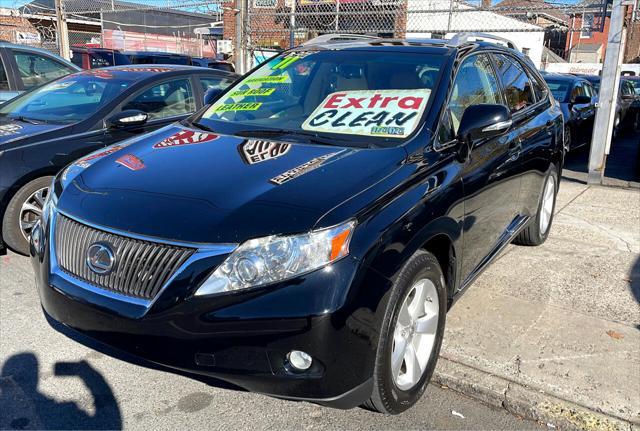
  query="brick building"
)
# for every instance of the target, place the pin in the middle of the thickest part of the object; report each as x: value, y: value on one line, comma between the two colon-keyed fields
x: 589, y: 44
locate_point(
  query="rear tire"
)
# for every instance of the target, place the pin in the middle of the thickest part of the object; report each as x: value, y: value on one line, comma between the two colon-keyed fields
x: 23, y: 211
x: 407, y: 353
x: 537, y: 230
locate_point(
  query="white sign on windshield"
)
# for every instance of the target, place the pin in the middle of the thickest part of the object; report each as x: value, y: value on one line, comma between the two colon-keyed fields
x: 384, y: 113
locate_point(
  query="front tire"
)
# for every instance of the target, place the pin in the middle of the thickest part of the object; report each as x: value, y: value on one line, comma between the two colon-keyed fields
x: 23, y: 211
x: 411, y: 335
x: 537, y: 230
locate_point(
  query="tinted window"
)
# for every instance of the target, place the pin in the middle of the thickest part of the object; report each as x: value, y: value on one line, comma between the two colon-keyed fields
x: 67, y: 100
x: 474, y: 84
x: 222, y: 66
x: 218, y: 83
x: 76, y: 58
x: 517, y: 84
x: 36, y: 69
x: 4, y: 83
x: 168, y: 99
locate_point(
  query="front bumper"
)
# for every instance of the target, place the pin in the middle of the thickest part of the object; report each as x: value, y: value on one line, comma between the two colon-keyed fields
x: 242, y: 338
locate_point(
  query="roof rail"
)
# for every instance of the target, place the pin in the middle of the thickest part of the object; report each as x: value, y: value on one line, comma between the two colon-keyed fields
x: 335, y: 37
x: 464, y: 37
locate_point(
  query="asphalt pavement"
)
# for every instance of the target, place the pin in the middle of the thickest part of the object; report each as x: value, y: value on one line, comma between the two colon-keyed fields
x: 49, y: 381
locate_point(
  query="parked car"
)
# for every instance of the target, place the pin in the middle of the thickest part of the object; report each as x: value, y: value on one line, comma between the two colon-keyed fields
x: 213, y: 64
x: 43, y: 130
x: 150, y: 57
x: 95, y: 58
x: 630, y: 93
x: 305, y: 235
x: 577, y: 99
x: 23, y: 68
x: 625, y: 99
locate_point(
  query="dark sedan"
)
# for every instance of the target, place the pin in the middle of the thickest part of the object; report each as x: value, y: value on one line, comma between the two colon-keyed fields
x: 577, y: 100
x: 48, y: 128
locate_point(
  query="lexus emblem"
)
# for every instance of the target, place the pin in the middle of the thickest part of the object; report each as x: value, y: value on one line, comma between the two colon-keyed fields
x: 100, y: 258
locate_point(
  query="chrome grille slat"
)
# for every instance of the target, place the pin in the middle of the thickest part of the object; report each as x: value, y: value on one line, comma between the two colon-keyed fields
x: 142, y: 267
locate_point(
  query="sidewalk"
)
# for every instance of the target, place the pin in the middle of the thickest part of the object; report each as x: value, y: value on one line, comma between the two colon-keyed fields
x: 553, y: 332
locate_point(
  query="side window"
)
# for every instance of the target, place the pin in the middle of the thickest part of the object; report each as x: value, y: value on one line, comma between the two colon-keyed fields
x: 36, y: 69
x: 4, y: 82
x: 218, y: 83
x: 168, y: 99
x: 588, y: 90
x: 474, y: 84
x: 577, y: 91
x: 517, y: 84
x: 539, y: 88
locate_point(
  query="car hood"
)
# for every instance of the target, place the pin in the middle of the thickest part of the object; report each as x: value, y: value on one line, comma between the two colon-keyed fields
x: 12, y: 131
x: 187, y: 185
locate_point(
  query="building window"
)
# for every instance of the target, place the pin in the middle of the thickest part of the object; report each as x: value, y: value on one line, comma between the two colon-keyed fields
x: 587, y: 26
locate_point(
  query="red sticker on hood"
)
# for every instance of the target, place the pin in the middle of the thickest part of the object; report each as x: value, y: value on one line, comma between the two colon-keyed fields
x: 132, y: 162
x: 185, y: 137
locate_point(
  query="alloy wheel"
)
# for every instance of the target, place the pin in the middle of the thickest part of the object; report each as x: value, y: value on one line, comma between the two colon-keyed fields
x: 546, y: 210
x: 414, y: 334
x: 31, y: 211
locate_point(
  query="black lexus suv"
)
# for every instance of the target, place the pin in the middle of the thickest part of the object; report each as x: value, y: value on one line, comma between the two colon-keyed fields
x: 305, y: 234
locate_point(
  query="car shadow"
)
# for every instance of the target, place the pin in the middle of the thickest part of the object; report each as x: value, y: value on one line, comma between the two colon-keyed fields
x: 24, y: 406
x: 623, y: 161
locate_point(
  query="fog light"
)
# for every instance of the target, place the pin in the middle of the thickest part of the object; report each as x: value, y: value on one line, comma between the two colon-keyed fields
x: 299, y: 360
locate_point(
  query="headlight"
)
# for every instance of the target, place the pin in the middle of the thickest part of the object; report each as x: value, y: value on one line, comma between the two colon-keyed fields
x: 277, y: 258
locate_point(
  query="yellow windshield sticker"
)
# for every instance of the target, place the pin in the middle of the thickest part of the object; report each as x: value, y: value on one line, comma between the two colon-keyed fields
x: 285, y: 62
x: 228, y: 107
x: 253, y: 92
x: 278, y: 79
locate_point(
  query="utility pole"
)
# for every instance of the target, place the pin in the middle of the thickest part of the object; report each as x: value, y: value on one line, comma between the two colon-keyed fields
x: 608, y: 98
x: 292, y: 25
x: 63, y: 32
x: 238, y: 52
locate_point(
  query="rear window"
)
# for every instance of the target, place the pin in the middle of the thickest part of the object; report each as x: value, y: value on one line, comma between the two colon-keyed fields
x: 559, y: 89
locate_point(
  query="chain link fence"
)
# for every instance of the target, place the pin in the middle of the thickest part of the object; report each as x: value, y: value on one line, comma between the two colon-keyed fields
x: 545, y: 30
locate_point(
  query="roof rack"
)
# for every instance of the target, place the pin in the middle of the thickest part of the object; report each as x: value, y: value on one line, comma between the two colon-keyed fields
x: 337, y: 38
x: 464, y: 37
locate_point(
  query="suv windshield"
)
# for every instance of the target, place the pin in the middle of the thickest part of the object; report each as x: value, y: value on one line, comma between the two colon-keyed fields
x: 380, y: 95
x: 68, y: 100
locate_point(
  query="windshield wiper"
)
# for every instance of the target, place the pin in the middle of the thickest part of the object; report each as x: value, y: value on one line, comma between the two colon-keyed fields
x: 198, y: 126
x: 28, y: 120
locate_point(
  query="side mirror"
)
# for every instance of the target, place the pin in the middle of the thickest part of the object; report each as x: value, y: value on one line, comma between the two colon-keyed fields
x: 210, y: 95
x: 127, y: 118
x: 483, y: 121
x: 581, y: 100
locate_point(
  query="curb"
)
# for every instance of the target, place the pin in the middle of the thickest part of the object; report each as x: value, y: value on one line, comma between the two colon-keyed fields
x: 523, y: 400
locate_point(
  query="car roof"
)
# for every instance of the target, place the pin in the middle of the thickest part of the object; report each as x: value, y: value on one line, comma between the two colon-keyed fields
x: 172, y: 54
x: 37, y: 50
x: 138, y: 72
x: 562, y: 77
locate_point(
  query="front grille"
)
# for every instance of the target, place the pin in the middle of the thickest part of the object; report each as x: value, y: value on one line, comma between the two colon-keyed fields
x: 141, y: 267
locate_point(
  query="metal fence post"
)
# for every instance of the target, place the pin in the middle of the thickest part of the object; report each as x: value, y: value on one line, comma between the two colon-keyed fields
x: 238, y: 52
x: 608, y: 98
x: 63, y: 32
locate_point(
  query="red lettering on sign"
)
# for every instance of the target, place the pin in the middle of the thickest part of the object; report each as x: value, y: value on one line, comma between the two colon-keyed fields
x: 387, y: 100
x: 374, y: 100
x: 334, y: 100
x: 415, y: 102
x: 355, y: 102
